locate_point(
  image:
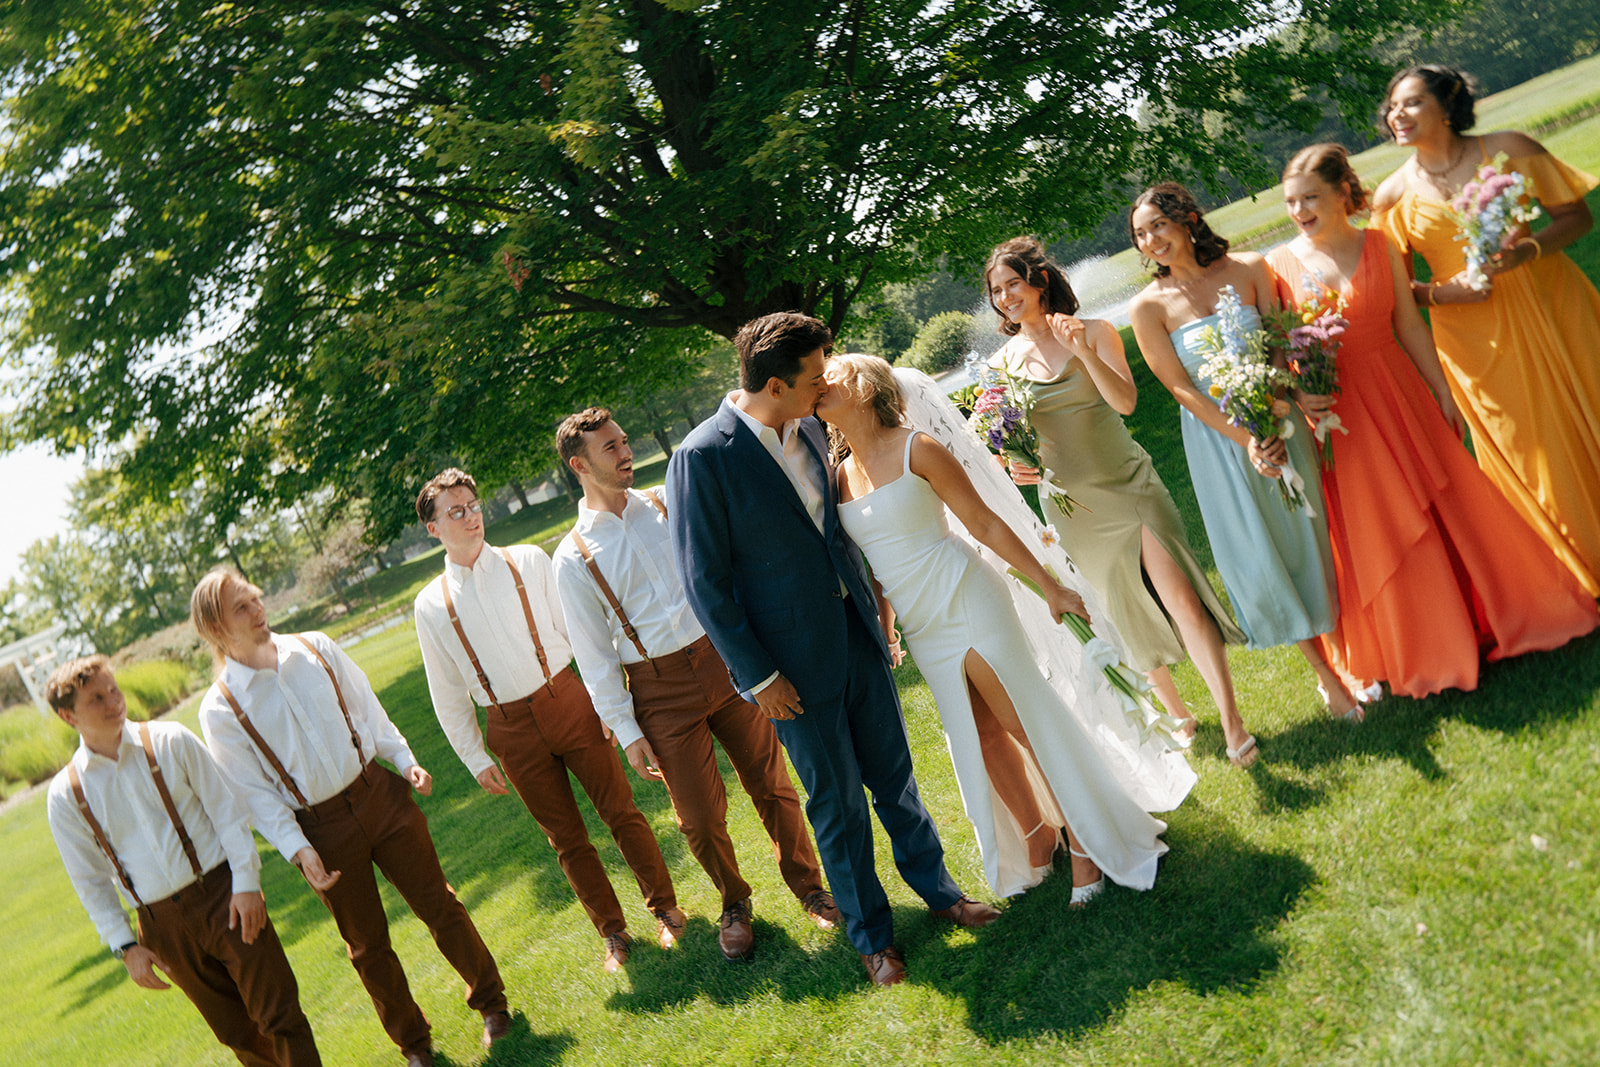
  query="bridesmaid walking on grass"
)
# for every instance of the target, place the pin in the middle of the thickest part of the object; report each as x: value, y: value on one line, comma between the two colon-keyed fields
x: 1275, y: 562
x: 1433, y: 564
x: 1522, y: 356
x: 1126, y: 535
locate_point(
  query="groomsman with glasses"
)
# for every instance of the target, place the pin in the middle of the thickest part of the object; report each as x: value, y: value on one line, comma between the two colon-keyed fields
x: 661, y: 688
x: 493, y: 636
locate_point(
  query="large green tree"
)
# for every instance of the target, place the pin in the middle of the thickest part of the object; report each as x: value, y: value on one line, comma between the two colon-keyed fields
x: 284, y: 245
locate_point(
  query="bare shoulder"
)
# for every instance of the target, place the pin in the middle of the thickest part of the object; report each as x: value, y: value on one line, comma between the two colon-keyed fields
x: 1512, y: 142
x: 1149, y: 308
x: 1099, y: 329
x: 1390, y: 190
x: 1251, y: 261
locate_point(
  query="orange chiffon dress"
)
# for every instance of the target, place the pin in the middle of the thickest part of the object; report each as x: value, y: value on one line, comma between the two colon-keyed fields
x: 1524, y: 366
x: 1433, y: 566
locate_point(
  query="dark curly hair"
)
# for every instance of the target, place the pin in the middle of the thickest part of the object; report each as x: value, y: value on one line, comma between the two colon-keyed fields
x: 1455, y: 90
x: 1027, y: 257
x: 1179, y: 205
x: 1331, y: 163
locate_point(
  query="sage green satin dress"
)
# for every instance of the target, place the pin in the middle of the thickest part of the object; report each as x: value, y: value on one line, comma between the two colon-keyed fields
x: 1097, y: 463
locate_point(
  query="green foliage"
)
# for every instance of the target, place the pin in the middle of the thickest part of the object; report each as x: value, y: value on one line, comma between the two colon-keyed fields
x: 281, y: 246
x: 942, y: 344
x: 33, y: 746
x: 154, y: 687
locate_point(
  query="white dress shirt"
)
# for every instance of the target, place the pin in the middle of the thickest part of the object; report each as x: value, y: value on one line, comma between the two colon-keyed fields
x: 794, y: 457
x: 123, y: 796
x: 634, y: 553
x: 485, y: 599
x: 295, y: 710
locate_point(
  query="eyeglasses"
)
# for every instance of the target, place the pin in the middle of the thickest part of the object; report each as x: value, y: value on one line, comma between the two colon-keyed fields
x: 461, y: 511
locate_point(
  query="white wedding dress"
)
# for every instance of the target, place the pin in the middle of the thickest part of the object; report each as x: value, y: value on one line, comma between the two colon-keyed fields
x: 948, y: 600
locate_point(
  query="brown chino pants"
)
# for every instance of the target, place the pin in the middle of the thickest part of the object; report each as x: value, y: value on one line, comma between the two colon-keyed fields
x: 376, y: 821
x: 680, y: 701
x: 539, y: 739
x: 246, y: 993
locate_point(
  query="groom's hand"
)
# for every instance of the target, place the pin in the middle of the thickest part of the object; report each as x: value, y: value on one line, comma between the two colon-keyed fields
x: 779, y: 700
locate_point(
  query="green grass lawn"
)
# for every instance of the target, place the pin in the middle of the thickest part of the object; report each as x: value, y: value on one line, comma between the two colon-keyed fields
x: 1420, y: 889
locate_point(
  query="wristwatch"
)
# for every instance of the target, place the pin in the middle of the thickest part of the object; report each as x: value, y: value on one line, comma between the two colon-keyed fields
x: 122, y: 950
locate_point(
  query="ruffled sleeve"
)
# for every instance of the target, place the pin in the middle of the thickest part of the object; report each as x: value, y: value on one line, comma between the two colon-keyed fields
x: 1552, y: 181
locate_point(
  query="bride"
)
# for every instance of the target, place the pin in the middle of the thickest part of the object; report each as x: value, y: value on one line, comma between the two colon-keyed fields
x: 1031, y: 755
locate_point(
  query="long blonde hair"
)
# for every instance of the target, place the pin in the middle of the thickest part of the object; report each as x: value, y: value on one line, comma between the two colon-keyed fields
x: 869, y: 380
x: 208, y: 605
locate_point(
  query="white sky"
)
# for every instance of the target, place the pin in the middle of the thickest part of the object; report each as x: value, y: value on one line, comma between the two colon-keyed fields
x: 35, y: 483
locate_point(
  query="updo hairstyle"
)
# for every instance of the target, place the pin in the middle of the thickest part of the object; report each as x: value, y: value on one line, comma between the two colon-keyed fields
x: 1455, y: 90
x: 1331, y: 163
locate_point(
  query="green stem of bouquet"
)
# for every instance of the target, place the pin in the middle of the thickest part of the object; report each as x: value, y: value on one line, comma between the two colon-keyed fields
x: 1081, y: 629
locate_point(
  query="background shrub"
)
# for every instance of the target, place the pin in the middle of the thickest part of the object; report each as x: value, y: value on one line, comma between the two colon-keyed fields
x: 33, y: 746
x: 942, y: 344
x: 154, y: 686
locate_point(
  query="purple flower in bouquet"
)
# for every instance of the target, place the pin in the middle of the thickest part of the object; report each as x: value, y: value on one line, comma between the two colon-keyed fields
x: 1000, y: 418
x: 1310, y: 336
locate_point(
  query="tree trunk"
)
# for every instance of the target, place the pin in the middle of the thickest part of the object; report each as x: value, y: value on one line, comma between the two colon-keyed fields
x: 237, y: 565
x: 522, y: 496
x: 663, y: 440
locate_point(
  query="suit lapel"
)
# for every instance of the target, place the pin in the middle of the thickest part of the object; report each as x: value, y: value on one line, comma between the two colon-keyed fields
x: 774, y: 479
x: 812, y: 434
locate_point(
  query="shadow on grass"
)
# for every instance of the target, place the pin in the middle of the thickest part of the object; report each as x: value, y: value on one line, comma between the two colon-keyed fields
x: 1526, y: 693
x: 111, y: 975
x: 1042, y: 968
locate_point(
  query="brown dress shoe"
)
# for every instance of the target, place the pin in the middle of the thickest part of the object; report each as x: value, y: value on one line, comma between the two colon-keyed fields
x: 671, y: 922
x: 496, y: 1024
x: 617, y: 946
x: 734, y: 935
x: 886, y: 966
x: 968, y: 912
x: 419, y: 1057
x: 820, y: 906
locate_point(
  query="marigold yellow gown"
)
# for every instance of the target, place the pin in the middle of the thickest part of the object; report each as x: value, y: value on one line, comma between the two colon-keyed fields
x: 1524, y: 366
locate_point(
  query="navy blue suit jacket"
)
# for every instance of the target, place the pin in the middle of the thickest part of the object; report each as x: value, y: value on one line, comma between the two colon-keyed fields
x: 764, y: 582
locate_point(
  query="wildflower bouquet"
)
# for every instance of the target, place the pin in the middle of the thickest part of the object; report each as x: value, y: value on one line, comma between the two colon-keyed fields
x: 1310, y: 337
x: 1131, y: 690
x: 1247, y: 385
x: 1000, y: 413
x: 1489, y: 211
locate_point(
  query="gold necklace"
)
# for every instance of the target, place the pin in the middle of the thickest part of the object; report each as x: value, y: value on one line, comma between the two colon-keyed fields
x: 1436, y: 175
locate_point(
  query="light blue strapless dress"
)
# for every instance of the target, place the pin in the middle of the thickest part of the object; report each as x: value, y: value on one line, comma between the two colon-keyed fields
x: 1275, y: 563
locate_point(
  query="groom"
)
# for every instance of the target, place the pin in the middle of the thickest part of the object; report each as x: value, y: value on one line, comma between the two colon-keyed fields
x: 784, y: 596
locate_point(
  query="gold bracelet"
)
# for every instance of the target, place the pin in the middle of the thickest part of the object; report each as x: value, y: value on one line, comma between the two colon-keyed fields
x: 1433, y: 301
x: 1538, y: 249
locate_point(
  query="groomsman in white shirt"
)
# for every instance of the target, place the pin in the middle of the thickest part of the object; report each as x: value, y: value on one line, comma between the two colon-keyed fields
x: 661, y: 688
x: 297, y: 728
x: 142, y: 808
x: 492, y: 634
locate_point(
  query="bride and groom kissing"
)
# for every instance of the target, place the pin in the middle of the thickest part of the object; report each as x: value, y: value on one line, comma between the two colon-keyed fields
x: 777, y: 580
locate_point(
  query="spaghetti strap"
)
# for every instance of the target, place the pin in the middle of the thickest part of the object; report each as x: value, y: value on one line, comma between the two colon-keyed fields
x: 1482, y: 151
x: 905, y: 460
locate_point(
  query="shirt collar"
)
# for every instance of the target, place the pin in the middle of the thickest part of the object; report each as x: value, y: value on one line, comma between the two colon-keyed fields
x: 460, y: 573
x: 246, y: 674
x: 588, y: 517
x: 757, y: 427
x: 85, y: 756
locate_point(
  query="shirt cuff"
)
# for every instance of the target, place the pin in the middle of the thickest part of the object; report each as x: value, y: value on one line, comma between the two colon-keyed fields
x: 773, y: 677
x: 246, y: 881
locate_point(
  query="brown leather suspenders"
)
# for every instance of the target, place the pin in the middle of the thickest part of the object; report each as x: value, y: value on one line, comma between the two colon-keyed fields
x: 266, y: 749
x: 605, y: 586
x: 166, y: 802
x: 527, y: 613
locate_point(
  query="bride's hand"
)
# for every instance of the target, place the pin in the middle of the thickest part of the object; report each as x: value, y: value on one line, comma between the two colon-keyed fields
x: 1064, y: 601
x: 1022, y: 474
